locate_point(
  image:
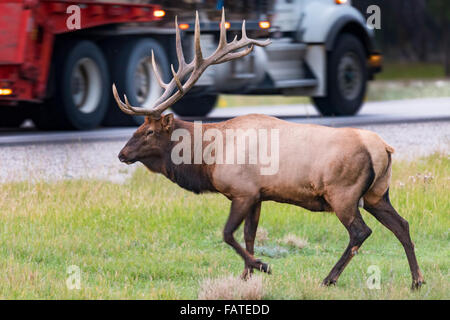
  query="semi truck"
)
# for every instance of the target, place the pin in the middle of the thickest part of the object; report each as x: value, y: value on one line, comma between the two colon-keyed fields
x: 59, y: 58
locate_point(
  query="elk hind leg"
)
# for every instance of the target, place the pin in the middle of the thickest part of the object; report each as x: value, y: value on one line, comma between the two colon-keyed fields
x: 384, y: 212
x: 358, y: 232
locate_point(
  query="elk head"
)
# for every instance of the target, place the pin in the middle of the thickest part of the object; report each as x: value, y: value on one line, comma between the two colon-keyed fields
x: 149, y: 141
x: 153, y: 135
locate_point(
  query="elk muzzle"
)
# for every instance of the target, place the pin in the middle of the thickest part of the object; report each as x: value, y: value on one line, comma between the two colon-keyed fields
x: 125, y: 157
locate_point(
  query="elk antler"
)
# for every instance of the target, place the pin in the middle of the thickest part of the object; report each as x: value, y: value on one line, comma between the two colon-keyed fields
x: 224, y: 52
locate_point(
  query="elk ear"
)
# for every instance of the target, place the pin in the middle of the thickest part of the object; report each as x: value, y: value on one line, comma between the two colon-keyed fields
x: 167, y: 121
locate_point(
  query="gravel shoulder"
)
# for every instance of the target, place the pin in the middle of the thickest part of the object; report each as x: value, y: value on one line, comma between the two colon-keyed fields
x: 98, y: 160
x: 415, y: 140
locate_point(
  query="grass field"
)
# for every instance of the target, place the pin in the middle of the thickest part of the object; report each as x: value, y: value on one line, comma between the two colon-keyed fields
x: 149, y: 239
x: 411, y: 70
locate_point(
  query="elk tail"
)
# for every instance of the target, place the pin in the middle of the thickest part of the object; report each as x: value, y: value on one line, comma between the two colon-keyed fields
x: 389, y: 149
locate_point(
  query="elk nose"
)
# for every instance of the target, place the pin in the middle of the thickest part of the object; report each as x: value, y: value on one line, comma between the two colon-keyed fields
x: 122, y: 156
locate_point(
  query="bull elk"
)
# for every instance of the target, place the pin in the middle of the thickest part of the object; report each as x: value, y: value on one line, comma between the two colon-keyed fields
x: 321, y: 168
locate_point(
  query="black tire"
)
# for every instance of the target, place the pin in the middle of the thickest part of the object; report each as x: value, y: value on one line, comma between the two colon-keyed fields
x: 195, y: 106
x: 11, y: 117
x: 128, y: 62
x: 81, y: 88
x: 346, y: 78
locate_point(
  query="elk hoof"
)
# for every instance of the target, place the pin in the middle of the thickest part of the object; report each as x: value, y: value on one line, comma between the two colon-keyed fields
x: 328, y: 282
x: 263, y: 267
x: 417, y: 284
x: 247, y: 273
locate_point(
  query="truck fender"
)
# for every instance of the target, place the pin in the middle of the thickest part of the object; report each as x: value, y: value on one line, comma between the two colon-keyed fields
x: 322, y: 23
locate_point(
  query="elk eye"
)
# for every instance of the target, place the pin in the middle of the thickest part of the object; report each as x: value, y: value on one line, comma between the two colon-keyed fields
x: 150, y: 132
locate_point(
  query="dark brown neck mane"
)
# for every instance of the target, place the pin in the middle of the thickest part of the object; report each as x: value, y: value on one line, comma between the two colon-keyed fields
x: 192, y: 177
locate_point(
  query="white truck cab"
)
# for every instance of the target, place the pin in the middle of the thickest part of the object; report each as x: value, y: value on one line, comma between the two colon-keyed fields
x: 320, y: 48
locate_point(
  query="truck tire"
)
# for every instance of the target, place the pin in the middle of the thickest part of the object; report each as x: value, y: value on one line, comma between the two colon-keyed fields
x: 81, y: 88
x: 346, y: 78
x: 131, y: 71
x: 195, y: 106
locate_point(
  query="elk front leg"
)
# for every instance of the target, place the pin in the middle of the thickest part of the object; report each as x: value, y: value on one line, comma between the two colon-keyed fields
x: 250, y: 227
x: 240, y: 209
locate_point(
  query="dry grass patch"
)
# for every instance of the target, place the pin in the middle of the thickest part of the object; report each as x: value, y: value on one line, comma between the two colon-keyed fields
x: 232, y: 288
x: 262, y: 235
x: 295, y: 241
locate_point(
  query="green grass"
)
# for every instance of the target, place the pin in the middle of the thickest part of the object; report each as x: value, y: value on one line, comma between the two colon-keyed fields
x: 411, y: 71
x: 398, y: 90
x: 150, y: 239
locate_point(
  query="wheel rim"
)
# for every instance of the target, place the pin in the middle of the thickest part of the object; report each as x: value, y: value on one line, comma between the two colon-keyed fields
x: 146, y: 87
x: 350, y: 78
x: 86, y: 85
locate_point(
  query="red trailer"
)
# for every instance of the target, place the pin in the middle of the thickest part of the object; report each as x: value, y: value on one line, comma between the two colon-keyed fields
x: 60, y: 74
x: 43, y: 40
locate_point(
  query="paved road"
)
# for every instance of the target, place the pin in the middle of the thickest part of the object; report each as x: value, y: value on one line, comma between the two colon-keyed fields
x: 402, y: 111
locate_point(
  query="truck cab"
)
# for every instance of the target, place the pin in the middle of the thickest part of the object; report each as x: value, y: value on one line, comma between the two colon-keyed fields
x: 320, y: 48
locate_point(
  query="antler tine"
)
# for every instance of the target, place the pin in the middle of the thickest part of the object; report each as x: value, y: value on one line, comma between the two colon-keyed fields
x: 121, y: 105
x: 235, y: 45
x: 128, y: 109
x: 244, y: 32
x: 157, y: 75
x: 179, y: 47
x: 177, y: 80
x: 246, y: 41
x: 235, y: 55
x: 137, y: 110
x: 129, y: 106
x: 223, y: 31
x: 198, y: 57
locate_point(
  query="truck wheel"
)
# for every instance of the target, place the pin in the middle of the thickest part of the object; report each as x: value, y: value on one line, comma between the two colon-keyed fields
x: 346, y: 78
x: 196, y: 106
x: 131, y: 69
x: 81, y: 89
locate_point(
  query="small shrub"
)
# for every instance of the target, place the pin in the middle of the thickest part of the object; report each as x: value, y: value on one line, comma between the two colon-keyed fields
x: 232, y: 288
x: 271, y: 251
x: 294, y: 241
x: 262, y: 235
